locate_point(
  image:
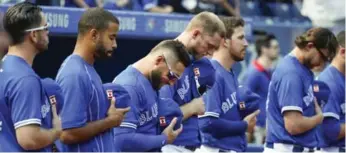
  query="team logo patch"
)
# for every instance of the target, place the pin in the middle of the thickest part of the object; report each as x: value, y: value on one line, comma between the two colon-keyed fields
x: 109, y: 94
x: 242, y: 105
x: 196, y: 71
x: 52, y: 100
x: 316, y: 88
x: 163, y: 121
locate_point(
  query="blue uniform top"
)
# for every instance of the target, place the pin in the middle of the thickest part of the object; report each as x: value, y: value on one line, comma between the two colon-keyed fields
x: 84, y: 101
x: 335, y: 107
x: 221, y: 103
x: 194, y: 82
x: 290, y: 90
x: 257, y: 80
x: 141, y: 123
x: 22, y: 102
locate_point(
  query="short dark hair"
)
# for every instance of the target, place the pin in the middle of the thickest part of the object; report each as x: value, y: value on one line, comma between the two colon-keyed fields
x: 95, y: 18
x: 20, y: 17
x: 176, y: 48
x: 341, y: 38
x: 231, y: 23
x: 322, y: 39
x: 263, y: 41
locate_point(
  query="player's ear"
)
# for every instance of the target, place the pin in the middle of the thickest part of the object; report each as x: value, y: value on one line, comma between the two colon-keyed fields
x: 33, y: 36
x: 225, y: 42
x: 159, y: 59
x: 342, y: 51
x: 195, y: 33
x: 94, y: 34
x: 310, y: 45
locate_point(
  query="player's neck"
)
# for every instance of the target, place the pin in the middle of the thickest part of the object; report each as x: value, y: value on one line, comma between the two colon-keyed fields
x: 185, y: 38
x: 225, y: 60
x: 265, y: 62
x: 339, y: 66
x: 296, y: 52
x: 85, y: 52
x: 24, y: 51
x: 143, y: 65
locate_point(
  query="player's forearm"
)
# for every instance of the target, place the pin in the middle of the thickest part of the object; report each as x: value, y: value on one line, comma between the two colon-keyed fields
x: 87, y: 132
x: 303, y: 124
x: 187, y: 110
x: 342, y: 131
x: 158, y: 9
x: 225, y: 128
x: 39, y: 139
x: 229, y: 8
x: 81, y: 3
x: 134, y: 142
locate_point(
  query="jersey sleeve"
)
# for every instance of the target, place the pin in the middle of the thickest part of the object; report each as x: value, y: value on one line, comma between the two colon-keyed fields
x: 131, y: 118
x: 77, y: 95
x: 26, y: 98
x: 167, y: 91
x: 290, y: 91
x: 212, y: 100
x: 332, y: 108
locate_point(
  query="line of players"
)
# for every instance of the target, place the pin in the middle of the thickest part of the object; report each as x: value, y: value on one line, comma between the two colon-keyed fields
x: 174, y: 99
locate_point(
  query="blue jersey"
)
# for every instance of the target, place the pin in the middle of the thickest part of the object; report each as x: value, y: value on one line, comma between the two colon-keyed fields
x: 194, y: 82
x: 335, y: 107
x: 143, y: 116
x: 22, y: 102
x: 257, y: 80
x: 222, y: 103
x: 84, y: 101
x: 290, y: 89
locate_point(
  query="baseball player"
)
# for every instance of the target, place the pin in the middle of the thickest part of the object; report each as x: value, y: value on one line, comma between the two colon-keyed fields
x: 258, y: 77
x: 28, y: 122
x: 201, y: 37
x: 222, y: 126
x: 163, y: 65
x: 292, y: 112
x: 332, y: 134
x: 87, y: 116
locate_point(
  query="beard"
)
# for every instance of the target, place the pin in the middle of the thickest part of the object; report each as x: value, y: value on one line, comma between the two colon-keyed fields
x: 42, y: 45
x: 155, y: 79
x: 101, y: 52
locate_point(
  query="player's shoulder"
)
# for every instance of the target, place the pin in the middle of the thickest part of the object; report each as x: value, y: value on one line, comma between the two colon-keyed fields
x: 73, y: 66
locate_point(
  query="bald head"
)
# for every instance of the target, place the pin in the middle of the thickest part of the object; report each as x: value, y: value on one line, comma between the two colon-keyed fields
x: 208, y: 22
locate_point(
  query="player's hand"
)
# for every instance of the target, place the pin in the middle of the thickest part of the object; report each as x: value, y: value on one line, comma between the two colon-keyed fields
x: 116, y: 115
x: 319, y: 112
x: 170, y: 133
x: 168, y: 9
x: 251, y: 120
x: 198, y: 106
x: 56, y: 120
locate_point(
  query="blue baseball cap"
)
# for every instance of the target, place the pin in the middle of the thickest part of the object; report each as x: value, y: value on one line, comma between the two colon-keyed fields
x: 122, y: 97
x: 321, y: 92
x: 205, y: 73
x: 53, y: 92
x: 248, y: 101
x: 168, y: 109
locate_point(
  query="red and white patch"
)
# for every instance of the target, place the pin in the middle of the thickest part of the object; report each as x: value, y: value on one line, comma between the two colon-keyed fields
x: 316, y: 88
x: 109, y: 94
x: 163, y: 121
x: 196, y: 71
x: 242, y: 105
x: 52, y: 100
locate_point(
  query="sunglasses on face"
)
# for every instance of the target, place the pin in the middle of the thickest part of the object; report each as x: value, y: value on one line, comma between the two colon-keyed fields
x: 45, y: 28
x: 171, y: 75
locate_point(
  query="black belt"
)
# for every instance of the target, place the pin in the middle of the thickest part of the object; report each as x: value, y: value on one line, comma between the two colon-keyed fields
x: 192, y: 148
x: 296, y: 148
